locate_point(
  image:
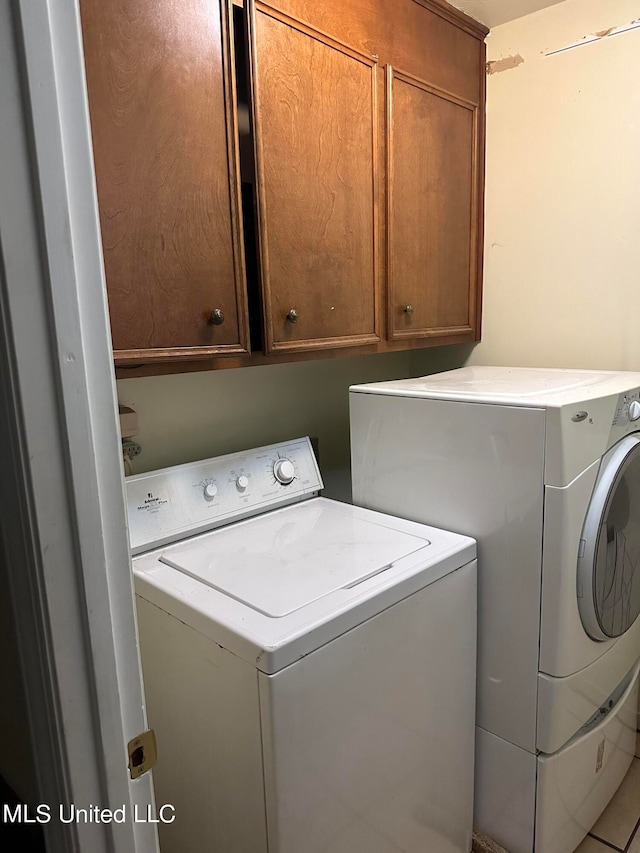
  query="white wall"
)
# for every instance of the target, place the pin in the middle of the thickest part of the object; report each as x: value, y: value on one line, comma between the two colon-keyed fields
x: 562, y: 250
x: 191, y: 416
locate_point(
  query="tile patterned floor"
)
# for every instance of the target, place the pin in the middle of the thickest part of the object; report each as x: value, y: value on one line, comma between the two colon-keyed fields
x: 619, y: 826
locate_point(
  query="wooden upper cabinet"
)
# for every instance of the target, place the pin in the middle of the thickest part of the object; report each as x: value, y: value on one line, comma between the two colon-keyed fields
x: 315, y: 120
x: 358, y: 199
x: 433, y: 143
x: 427, y: 38
x: 432, y: 209
x: 162, y: 106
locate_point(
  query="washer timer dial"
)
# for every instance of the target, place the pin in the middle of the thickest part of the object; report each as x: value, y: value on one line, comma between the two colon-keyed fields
x: 283, y: 471
x: 634, y: 410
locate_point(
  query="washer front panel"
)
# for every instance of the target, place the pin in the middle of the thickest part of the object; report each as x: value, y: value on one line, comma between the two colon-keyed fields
x: 609, y: 568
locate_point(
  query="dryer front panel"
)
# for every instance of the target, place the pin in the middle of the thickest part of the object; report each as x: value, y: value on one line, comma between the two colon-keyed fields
x: 608, y: 583
x: 565, y: 646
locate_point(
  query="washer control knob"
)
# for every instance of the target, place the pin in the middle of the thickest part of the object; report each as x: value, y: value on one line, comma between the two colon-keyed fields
x: 283, y: 471
x: 210, y: 491
x: 634, y: 410
x: 242, y: 482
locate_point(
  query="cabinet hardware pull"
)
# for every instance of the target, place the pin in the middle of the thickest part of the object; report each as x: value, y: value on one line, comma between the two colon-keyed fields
x: 408, y: 309
x: 292, y: 316
x: 217, y: 317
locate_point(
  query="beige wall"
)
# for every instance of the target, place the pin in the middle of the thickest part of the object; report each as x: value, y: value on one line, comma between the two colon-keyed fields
x: 562, y: 251
x: 196, y: 415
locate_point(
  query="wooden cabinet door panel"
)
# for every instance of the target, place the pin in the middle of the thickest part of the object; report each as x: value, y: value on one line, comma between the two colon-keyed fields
x: 315, y: 121
x: 432, y: 209
x: 426, y: 38
x: 161, y: 98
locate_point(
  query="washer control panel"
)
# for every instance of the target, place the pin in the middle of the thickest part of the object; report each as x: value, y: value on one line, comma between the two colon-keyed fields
x: 178, y: 502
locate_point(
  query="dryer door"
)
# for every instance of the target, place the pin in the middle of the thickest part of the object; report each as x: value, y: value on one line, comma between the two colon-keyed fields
x: 609, y: 562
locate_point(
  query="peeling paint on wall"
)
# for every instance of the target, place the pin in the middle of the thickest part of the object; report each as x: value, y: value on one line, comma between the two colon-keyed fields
x: 495, y: 66
x: 600, y: 34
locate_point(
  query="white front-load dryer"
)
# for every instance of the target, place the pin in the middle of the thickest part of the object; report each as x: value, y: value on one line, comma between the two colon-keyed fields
x: 542, y: 467
x: 590, y: 588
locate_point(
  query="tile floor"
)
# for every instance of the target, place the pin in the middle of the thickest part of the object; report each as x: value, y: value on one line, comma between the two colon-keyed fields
x: 619, y: 825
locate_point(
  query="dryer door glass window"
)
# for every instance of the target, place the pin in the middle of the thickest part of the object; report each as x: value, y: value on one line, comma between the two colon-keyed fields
x: 612, y: 538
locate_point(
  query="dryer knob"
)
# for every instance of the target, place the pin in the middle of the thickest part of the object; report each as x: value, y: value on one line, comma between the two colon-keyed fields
x: 283, y: 471
x: 242, y: 482
x: 634, y: 410
x: 210, y: 491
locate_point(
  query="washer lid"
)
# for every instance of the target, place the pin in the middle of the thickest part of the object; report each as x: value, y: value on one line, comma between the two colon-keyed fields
x: 338, y: 564
x: 281, y: 562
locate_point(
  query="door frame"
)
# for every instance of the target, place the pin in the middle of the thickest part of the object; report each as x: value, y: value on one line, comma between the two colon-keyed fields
x: 62, y: 512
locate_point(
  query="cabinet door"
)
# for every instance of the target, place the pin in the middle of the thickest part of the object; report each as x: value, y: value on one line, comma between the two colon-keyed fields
x: 316, y: 153
x: 161, y: 98
x: 432, y: 209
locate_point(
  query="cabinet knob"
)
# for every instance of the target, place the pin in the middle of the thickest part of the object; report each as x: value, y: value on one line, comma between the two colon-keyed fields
x: 292, y: 316
x: 217, y: 317
x: 408, y: 309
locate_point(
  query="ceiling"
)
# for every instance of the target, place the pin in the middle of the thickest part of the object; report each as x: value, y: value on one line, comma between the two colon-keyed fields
x: 494, y: 12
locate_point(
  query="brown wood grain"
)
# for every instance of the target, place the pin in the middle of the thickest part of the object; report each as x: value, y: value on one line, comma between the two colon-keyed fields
x: 427, y: 39
x: 315, y: 103
x: 162, y: 100
x: 432, y: 204
x: 446, y: 11
x: 160, y: 83
x: 159, y: 368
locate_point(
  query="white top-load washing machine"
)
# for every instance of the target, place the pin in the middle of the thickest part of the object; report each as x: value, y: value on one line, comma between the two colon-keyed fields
x: 309, y: 666
x: 543, y: 468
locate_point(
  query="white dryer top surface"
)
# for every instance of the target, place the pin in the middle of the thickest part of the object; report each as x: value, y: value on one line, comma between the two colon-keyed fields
x: 275, y: 587
x: 511, y: 386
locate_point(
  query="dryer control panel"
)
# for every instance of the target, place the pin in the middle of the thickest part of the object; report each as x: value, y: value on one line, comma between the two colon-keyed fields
x: 174, y: 503
x: 628, y: 408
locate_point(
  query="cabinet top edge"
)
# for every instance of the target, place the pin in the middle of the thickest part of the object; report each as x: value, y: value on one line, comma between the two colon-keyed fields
x: 455, y: 16
x: 442, y: 8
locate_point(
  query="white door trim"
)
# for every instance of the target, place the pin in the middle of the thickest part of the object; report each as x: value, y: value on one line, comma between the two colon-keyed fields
x: 63, y: 523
